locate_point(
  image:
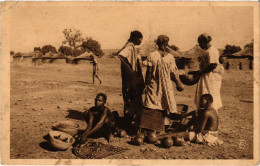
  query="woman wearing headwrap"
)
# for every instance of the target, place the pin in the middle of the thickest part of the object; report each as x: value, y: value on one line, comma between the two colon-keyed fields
x: 160, y: 73
x: 210, y: 74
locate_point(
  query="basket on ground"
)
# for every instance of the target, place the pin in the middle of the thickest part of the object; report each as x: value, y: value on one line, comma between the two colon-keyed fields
x: 61, y: 140
x: 68, y: 127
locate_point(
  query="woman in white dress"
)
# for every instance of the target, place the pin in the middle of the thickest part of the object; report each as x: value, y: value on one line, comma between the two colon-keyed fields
x: 210, y: 73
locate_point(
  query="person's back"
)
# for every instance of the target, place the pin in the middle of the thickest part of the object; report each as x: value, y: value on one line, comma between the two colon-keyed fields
x: 212, y: 119
x: 205, y: 124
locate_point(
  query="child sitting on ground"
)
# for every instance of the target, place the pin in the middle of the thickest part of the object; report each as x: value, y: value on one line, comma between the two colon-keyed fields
x: 100, y: 121
x: 205, y: 123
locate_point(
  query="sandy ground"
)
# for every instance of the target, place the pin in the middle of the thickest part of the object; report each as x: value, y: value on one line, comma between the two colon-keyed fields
x: 41, y: 96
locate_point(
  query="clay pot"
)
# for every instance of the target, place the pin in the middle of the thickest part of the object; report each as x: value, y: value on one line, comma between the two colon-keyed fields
x: 138, y: 140
x: 179, y: 141
x: 122, y: 133
x: 152, y: 137
x: 167, y: 142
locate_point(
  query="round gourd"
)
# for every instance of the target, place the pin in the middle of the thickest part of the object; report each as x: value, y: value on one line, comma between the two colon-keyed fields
x: 138, y: 140
x: 179, y: 141
x: 152, y: 137
x: 122, y: 133
x: 167, y: 142
x: 140, y: 135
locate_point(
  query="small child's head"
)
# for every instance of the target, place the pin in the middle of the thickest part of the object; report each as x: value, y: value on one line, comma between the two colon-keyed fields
x: 206, y: 101
x: 100, y: 100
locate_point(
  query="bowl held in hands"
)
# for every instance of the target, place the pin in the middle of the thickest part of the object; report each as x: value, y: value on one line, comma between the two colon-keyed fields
x: 189, y: 79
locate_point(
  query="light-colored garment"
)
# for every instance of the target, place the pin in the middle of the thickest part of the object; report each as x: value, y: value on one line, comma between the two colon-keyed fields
x: 210, y: 83
x: 130, y: 53
x: 207, y: 137
x: 160, y: 92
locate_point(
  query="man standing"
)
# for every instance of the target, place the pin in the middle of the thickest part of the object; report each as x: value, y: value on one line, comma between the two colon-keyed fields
x: 95, y: 69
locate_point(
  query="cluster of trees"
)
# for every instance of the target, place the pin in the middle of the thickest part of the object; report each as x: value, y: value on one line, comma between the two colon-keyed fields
x: 77, y: 45
x: 74, y: 45
x: 231, y: 49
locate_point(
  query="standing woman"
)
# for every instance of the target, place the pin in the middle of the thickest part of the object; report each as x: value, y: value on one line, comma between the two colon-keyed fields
x: 132, y: 77
x: 161, y: 71
x: 210, y: 77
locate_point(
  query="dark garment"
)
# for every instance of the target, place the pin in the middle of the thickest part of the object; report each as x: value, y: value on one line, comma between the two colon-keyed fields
x: 132, y: 94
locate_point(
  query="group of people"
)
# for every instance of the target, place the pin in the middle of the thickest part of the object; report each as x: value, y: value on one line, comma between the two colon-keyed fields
x: 158, y: 90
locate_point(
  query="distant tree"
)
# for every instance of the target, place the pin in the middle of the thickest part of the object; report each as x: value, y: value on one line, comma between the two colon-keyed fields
x: 175, y: 48
x: 93, y: 46
x: 11, y: 52
x: 78, y: 51
x: 73, y: 37
x: 250, y: 45
x: 65, y: 50
x: 231, y: 49
x: 37, y: 49
x: 48, y: 48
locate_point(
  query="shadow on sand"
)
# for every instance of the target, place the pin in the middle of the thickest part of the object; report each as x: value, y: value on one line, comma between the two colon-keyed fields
x: 75, y: 114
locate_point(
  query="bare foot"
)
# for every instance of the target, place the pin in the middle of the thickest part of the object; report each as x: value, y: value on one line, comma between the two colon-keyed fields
x: 110, y: 138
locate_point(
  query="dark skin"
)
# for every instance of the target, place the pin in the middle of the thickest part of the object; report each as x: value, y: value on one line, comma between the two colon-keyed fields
x: 205, y: 45
x: 95, y: 70
x: 93, y: 128
x: 205, y: 119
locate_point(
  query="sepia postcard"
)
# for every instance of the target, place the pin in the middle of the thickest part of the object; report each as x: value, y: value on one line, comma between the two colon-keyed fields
x: 129, y: 83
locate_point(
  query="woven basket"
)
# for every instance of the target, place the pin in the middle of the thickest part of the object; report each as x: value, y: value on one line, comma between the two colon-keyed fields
x: 61, y: 140
x: 68, y: 127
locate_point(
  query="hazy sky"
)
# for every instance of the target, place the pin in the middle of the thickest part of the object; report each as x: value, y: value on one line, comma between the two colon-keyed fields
x: 33, y: 26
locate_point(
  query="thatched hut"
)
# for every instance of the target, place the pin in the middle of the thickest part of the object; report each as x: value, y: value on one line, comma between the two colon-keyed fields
x: 59, y: 58
x: 83, y: 58
x: 149, y: 47
x: 37, y: 58
x: 47, y: 57
x: 17, y: 56
x: 27, y: 58
x: 242, y: 60
x: 70, y: 60
x: 190, y: 60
